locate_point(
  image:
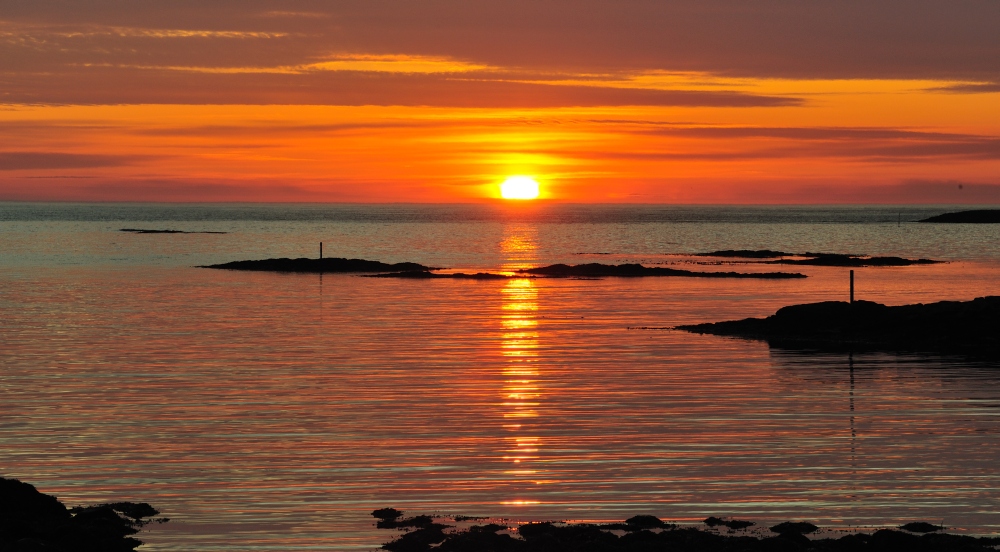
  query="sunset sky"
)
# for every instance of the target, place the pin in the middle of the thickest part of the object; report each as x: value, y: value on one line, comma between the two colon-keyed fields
x: 440, y: 101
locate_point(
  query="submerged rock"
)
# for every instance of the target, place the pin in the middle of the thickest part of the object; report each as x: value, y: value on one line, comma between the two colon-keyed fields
x: 30, y: 520
x: 950, y: 327
x: 977, y: 216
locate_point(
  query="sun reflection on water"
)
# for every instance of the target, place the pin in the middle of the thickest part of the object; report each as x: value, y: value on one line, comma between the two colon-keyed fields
x: 521, y: 394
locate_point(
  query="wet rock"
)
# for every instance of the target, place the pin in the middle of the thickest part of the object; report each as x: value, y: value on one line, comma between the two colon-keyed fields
x: 645, y: 522
x: 553, y: 537
x: 30, y: 520
x: 796, y: 527
x: 734, y: 524
x: 387, y: 514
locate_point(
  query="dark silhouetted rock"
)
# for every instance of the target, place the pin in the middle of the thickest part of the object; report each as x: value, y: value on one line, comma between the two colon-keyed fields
x: 978, y: 216
x: 734, y: 524
x: 844, y: 260
x: 147, y: 231
x: 387, y: 513
x: 636, y: 270
x: 552, y: 537
x: 645, y: 522
x: 921, y: 527
x: 816, y: 259
x: 950, y: 327
x: 797, y: 527
x: 331, y: 265
x: 427, y: 275
x: 30, y: 520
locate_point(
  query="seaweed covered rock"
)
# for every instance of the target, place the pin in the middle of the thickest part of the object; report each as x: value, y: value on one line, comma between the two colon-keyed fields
x: 31, y: 520
x: 630, y: 537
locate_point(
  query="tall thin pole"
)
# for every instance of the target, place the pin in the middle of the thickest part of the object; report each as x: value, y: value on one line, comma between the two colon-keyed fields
x: 321, y: 253
x: 852, y: 287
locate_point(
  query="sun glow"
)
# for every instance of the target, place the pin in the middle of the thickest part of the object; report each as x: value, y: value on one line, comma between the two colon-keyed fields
x: 519, y: 187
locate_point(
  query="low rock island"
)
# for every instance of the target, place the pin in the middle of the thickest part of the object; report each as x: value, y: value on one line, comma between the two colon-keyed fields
x: 977, y: 216
x: 331, y: 265
x: 634, y: 270
x: 421, y: 272
x: 815, y: 259
x: 948, y: 327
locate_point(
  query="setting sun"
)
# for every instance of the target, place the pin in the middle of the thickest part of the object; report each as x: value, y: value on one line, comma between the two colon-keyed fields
x: 519, y: 187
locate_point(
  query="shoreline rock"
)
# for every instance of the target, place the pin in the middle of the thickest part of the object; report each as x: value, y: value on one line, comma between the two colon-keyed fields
x: 946, y: 327
x: 975, y: 216
x: 31, y: 520
x: 647, y: 533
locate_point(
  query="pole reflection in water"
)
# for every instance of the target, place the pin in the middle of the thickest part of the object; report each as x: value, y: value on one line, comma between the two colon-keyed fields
x: 519, y: 347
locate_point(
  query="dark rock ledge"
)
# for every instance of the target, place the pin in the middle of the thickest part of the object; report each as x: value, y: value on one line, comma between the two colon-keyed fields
x: 948, y: 327
x: 646, y: 533
x: 418, y: 271
x: 636, y: 270
x: 32, y: 521
x: 331, y: 265
x: 815, y: 259
x: 978, y: 216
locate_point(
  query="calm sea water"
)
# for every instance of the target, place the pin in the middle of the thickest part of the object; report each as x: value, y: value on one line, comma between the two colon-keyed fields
x: 274, y: 411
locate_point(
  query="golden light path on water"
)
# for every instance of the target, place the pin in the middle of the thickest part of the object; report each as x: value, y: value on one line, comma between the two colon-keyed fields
x: 520, y: 349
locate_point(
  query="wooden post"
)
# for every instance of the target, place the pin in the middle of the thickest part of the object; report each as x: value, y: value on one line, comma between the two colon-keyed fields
x: 321, y: 253
x: 852, y: 287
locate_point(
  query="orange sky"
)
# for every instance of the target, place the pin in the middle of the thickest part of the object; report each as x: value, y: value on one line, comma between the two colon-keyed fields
x: 651, y: 102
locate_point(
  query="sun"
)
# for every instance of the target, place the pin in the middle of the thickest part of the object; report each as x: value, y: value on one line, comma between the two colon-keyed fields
x: 519, y: 187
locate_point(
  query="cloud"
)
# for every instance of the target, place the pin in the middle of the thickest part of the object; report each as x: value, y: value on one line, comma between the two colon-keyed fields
x: 922, y: 39
x: 30, y: 160
x: 866, y: 144
x: 970, y: 88
x: 109, y: 85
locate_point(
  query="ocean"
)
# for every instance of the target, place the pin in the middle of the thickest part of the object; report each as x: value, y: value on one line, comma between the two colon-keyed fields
x: 263, y: 411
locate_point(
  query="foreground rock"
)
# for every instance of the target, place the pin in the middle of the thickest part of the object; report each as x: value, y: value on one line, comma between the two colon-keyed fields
x: 978, y: 216
x: 30, y: 521
x: 648, y: 533
x: 816, y: 259
x: 949, y: 327
x: 634, y: 270
x: 332, y: 265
